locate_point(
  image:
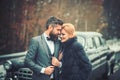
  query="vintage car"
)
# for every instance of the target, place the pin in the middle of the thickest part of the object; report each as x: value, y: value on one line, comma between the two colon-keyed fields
x: 15, y: 68
x: 101, y: 57
x: 4, y: 58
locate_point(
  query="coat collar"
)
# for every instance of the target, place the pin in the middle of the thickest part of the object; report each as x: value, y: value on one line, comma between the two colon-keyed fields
x: 69, y: 42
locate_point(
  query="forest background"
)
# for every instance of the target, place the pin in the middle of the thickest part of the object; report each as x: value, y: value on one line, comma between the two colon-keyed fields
x: 21, y: 20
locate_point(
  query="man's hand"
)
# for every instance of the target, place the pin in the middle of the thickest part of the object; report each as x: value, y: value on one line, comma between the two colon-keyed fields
x: 49, y: 70
x: 55, y: 62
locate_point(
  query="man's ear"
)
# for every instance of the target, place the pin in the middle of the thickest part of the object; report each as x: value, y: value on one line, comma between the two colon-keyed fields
x: 50, y: 27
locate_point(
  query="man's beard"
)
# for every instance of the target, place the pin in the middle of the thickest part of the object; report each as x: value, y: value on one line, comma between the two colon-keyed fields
x: 53, y: 37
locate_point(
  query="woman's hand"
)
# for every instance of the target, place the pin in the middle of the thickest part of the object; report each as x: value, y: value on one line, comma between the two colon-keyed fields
x: 60, y: 56
x: 55, y: 62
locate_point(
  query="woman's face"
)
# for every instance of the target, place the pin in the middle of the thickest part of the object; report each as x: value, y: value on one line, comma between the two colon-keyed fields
x: 64, y: 36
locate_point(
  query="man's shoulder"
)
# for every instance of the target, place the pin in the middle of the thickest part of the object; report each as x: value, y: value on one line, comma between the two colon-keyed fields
x: 36, y: 38
x: 77, y: 45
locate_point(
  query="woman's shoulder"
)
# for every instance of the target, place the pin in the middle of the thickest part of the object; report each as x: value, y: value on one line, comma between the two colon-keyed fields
x: 77, y: 45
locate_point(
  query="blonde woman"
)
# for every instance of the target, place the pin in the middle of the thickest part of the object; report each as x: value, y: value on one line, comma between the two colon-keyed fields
x: 75, y: 63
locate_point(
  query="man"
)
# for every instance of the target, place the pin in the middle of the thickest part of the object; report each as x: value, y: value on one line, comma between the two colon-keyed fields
x: 41, y: 50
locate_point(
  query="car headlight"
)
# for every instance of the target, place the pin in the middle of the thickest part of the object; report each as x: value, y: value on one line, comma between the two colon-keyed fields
x: 8, y: 65
x: 2, y: 72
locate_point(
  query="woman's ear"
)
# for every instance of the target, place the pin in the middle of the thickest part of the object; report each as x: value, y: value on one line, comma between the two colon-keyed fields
x: 71, y: 36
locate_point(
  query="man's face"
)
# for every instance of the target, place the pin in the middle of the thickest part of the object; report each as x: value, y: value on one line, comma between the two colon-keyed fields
x: 55, y: 31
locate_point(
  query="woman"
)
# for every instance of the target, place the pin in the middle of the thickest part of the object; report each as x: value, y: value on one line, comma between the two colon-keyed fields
x: 75, y: 63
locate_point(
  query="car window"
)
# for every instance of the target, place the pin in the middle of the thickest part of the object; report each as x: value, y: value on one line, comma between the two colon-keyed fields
x: 90, y: 43
x: 102, y: 41
x: 97, y: 42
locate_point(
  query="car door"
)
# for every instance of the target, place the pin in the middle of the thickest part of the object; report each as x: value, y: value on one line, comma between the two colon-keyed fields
x: 90, y: 49
x: 102, y: 50
x: 91, y: 52
x: 93, y: 57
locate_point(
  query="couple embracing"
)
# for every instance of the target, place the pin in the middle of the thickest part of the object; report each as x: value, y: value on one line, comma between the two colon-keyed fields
x: 56, y: 54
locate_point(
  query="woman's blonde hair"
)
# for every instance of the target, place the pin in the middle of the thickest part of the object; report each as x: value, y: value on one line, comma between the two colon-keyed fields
x: 69, y: 28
